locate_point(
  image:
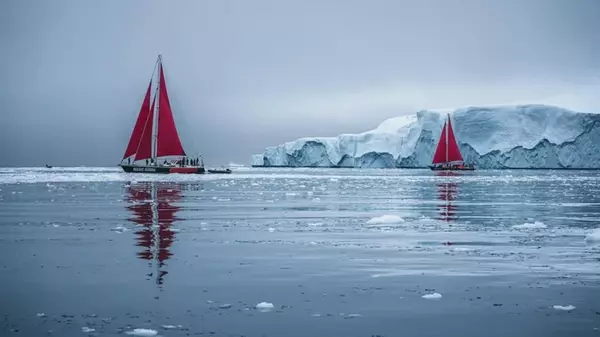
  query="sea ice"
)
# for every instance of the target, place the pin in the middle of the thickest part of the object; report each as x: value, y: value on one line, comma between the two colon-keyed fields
x: 432, y: 296
x: 535, y: 225
x: 142, y: 332
x: 264, y: 306
x: 593, y: 237
x: 564, y: 308
x: 385, y: 219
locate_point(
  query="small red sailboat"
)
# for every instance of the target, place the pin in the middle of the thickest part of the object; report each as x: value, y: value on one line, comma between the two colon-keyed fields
x: 154, y: 145
x: 447, y: 155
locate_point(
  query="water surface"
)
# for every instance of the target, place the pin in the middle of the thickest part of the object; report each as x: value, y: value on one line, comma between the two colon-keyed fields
x: 93, y: 248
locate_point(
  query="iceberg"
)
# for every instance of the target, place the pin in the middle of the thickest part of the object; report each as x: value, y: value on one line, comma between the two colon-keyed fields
x: 522, y: 136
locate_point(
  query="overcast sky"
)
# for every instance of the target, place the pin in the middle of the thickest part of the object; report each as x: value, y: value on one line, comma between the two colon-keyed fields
x: 244, y: 75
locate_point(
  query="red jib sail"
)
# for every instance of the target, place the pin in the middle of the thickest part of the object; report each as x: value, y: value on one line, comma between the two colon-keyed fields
x: 168, y: 142
x: 447, y: 149
x: 138, y: 129
x: 144, y: 148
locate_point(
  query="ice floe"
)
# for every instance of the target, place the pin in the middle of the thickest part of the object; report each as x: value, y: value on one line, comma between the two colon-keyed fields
x: 385, y: 219
x: 432, y: 296
x: 527, y: 225
x: 142, y: 332
x: 564, y: 308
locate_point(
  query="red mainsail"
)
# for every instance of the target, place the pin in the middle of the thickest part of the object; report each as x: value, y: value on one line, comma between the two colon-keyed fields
x: 155, y: 134
x: 138, y: 129
x: 447, y: 150
x: 144, y: 149
x: 168, y: 142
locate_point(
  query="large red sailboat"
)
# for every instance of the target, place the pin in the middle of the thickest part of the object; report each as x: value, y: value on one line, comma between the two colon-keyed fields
x: 447, y: 155
x: 154, y: 145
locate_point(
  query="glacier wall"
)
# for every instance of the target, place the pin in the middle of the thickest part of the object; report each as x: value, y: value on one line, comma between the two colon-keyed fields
x: 524, y: 136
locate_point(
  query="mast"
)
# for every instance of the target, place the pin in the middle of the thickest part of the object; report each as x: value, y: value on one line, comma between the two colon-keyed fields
x: 447, y: 138
x: 156, y: 114
x: 155, y: 229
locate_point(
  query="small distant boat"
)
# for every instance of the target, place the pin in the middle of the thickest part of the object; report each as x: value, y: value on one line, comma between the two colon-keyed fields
x: 219, y: 171
x: 447, y: 155
x: 154, y: 138
x: 48, y: 166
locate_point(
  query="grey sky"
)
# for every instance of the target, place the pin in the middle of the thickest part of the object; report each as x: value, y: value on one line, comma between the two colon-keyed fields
x: 244, y: 75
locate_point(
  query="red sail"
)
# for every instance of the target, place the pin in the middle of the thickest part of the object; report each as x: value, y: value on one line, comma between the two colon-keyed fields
x: 447, y: 149
x: 144, y: 149
x: 168, y: 142
x: 453, y: 150
x: 440, y: 152
x: 138, y: 129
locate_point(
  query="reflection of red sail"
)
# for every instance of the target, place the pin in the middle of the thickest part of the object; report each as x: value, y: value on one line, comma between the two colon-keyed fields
x: 447, y: 193
x: 152, y: 210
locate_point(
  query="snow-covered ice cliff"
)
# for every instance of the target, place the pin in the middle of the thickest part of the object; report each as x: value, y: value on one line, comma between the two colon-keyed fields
x: 524, y: 136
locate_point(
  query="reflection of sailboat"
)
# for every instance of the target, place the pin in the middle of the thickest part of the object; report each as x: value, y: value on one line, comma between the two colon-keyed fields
x: 151, y: 206
x: 447, y: 192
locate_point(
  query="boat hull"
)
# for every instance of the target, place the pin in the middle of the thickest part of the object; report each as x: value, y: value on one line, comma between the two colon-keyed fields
x: 162, y: 169
x: 450, y: 168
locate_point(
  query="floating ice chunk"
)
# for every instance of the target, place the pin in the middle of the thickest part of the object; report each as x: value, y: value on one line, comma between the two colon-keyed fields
x: 142, y: 332
x: 86, y: 329
x: 271, y: 230
x: 535, y: 225
x: 119, y: 229
x: 225, y: 306
x: 264, y: 306
x: 353, y: 315
x: 41, y: 314
x: 315, y: 224
x: 432, y: 296
x: 385, y: 219
x: 564, y: 308
x: 462, y: 249
x: 593, y: 237
x: 172, y: 326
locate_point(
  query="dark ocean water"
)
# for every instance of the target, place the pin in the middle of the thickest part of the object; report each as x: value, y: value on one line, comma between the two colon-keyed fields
x: 177, y: 255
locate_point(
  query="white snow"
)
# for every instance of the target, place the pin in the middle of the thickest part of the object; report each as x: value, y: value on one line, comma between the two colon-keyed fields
x: 486, y: 129
x: 432, y: 296
x: 385, y: 219
x: 564, y: 308
x: 142, y: 332
x: 535, y: 225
